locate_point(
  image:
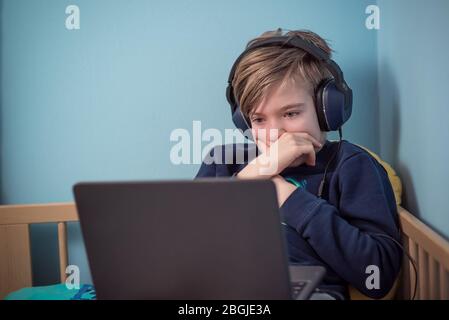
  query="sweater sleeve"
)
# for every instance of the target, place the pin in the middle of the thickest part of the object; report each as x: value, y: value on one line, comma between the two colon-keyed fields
x: 214, y: 164
x: 208, y: 167
x: 346, y: 238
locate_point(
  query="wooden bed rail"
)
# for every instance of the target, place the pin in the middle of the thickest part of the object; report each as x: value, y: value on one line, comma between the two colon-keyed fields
x: 428, y: 249
x: 431, y: 254
x: 15, y: 253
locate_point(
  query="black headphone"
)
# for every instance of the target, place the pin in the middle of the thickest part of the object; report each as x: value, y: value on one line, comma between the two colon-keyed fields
x: 333, y: 97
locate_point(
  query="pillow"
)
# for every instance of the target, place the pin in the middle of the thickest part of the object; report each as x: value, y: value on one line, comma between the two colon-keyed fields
x: 394, y: 179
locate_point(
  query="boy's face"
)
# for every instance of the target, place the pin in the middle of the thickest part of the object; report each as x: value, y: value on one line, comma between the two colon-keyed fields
x: 288, y: 108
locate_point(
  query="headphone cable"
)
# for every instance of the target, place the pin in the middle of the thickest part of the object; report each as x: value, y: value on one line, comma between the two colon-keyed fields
x: 412, y: 261
x: 321, y: 186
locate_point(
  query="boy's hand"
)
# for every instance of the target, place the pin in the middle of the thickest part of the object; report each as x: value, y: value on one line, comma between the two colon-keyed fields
x: 291, y: 149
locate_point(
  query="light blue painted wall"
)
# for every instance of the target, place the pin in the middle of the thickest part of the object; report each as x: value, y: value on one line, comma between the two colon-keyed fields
x: 413, y: 78
x: 100, y: 103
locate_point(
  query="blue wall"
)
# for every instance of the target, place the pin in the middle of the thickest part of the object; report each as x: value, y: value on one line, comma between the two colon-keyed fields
x: 413, y: 78
x: 99, y: 103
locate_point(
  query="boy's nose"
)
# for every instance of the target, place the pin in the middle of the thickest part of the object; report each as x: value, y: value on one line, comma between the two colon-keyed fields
x: 273, y: 133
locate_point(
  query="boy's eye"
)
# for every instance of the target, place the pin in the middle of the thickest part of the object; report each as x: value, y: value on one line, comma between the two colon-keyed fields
x: 257, y: 120
x: 291, y: 114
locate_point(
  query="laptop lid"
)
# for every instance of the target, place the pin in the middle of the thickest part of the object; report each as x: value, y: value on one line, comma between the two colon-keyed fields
x: 201, y: 239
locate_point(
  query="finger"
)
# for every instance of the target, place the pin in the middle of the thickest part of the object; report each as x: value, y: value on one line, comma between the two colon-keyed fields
x: 308, y: 137
x: 261, y: 137
x: 310, y: 157
x: 262, y: 146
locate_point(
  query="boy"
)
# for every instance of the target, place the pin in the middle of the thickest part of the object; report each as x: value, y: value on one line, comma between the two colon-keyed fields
x: 348, y: 225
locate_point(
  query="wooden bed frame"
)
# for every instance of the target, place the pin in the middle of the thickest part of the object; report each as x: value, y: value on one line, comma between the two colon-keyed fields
x: 429, y: 250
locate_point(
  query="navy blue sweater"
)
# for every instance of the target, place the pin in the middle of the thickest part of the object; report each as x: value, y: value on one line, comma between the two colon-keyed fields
x: 339, y: 230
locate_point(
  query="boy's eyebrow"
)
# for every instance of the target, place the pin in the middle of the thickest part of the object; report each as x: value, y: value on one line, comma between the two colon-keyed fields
x: 287, y: 106
x: 292, y: 105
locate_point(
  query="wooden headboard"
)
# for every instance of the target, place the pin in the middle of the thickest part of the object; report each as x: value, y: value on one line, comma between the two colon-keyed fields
x: 431, y: 254
x: 429, y: 250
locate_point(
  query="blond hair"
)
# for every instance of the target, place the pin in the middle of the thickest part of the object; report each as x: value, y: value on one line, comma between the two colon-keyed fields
x: 264, y: 67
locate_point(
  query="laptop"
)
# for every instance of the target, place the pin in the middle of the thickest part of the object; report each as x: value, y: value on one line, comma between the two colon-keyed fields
x: 210, y: 238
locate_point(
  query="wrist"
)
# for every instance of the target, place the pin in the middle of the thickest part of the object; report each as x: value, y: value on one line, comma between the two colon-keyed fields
x: 283, y: 189
x: 256, y: 170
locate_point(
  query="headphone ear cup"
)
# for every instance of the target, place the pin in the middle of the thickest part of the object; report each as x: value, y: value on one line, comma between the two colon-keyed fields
x: 237, y: 115
x: 320, y: 112
x: 330, y: 104
x: 241, y: 123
